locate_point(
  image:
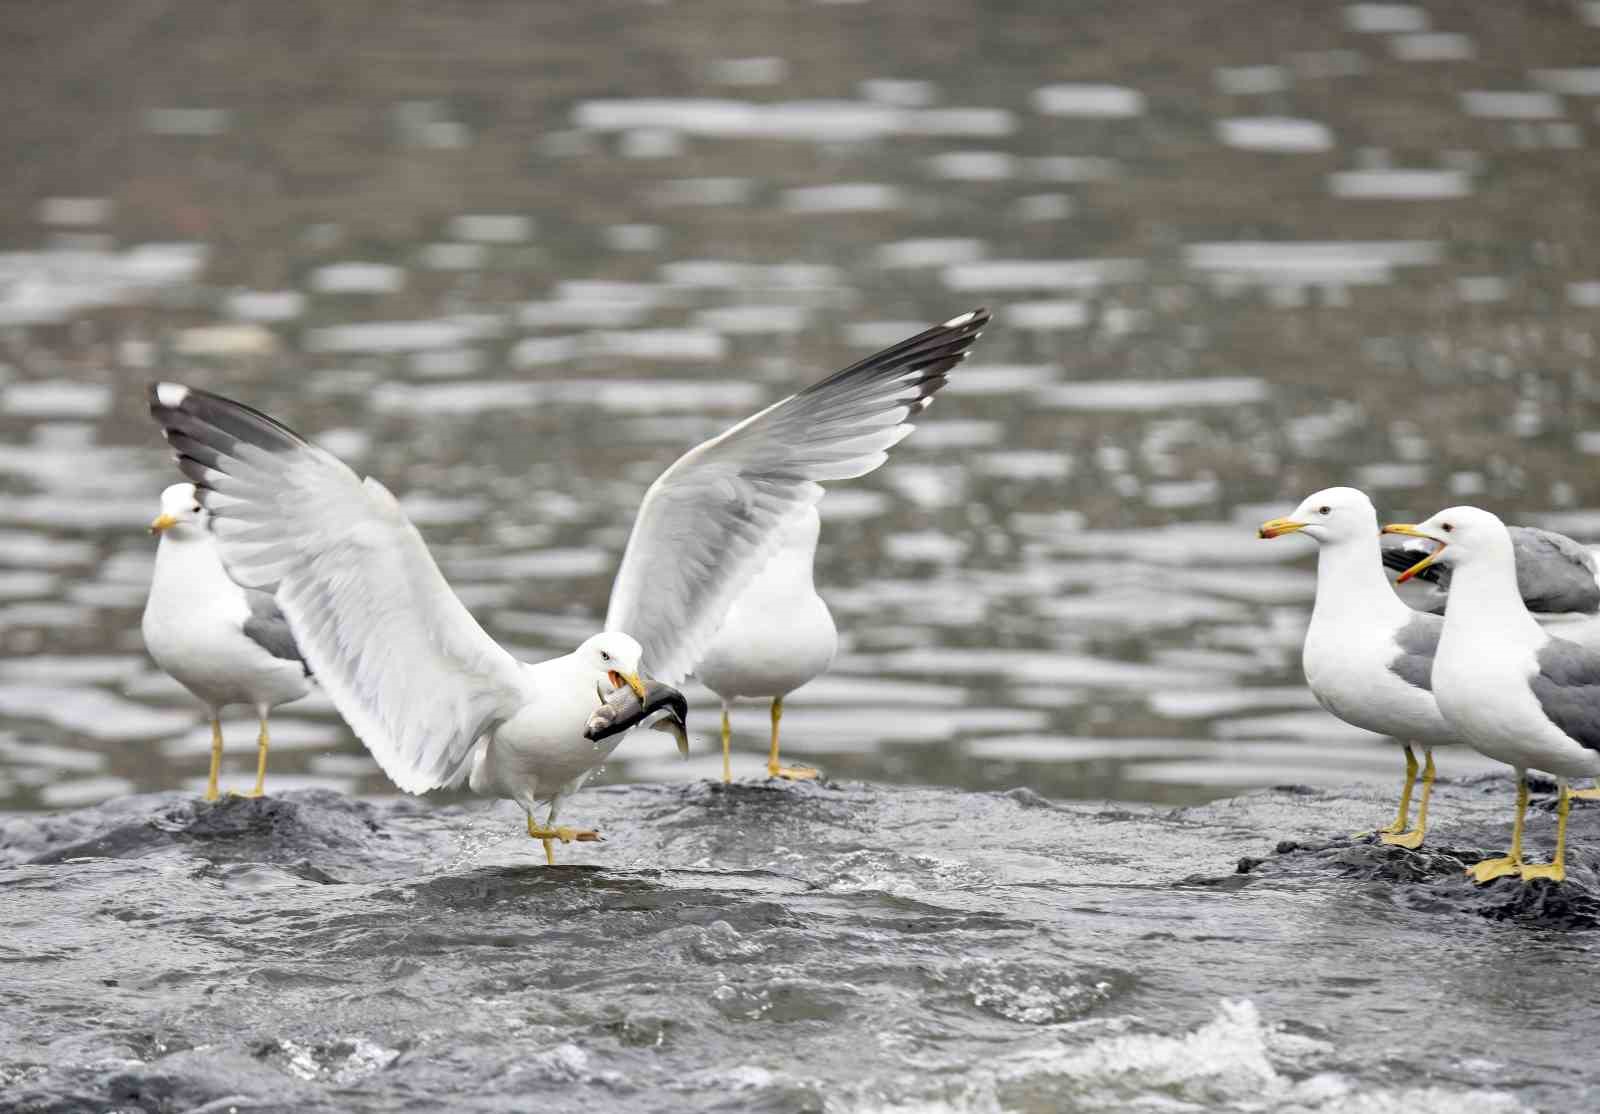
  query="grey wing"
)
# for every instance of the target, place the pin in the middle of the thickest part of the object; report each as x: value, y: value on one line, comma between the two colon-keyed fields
x: 712, y: 520
x: 1554, y: 573
x: 1567, y: 687
x: 268, y: 628
x: 1418, y: 642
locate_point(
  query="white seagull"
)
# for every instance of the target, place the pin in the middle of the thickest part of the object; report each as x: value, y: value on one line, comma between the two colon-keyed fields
x: 1368, y: 656
x: 1512, y: 690
x: 226, y: 644
x: 434, y: 698
x: 1557, y: 578
x: 733, y: 525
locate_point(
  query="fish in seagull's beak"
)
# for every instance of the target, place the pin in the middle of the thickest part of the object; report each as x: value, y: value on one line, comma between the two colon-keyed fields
x: 162, y: 523
x: 1278, y: 527
x: 1411, y: 531
x: 630, y: 679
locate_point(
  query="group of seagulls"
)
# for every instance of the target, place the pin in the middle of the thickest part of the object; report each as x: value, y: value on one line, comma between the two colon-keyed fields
x: 279, y: 565
x: 1510, y: 669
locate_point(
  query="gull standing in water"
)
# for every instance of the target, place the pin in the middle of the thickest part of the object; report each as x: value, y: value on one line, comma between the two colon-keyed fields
x: 224, y: 643
x: 1368, y: 657
x: 432, y: 696
x: 731, y: 527
x: 1511, y: 689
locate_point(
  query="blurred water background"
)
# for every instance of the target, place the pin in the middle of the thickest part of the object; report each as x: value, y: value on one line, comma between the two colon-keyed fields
x: 514, y: 258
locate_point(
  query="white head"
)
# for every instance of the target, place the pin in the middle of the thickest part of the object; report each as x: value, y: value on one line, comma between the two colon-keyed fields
x: 181, y: 515
x: 614, y: 657
x: 1468, y: 536
x: 1329, y: 516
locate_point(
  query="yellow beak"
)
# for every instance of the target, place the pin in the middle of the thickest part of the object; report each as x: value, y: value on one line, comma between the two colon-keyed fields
x: 1411, y: 531
x: 163, y: 522
x: 1278, y: 527
x: 629, y: 679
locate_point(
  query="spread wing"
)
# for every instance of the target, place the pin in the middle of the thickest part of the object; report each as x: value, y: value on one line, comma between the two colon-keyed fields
x: 711, y: 521
x: 404, y: 662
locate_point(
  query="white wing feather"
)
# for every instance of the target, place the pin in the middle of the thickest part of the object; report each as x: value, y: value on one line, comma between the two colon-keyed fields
x: 405, y: 663
x: 711, y: 521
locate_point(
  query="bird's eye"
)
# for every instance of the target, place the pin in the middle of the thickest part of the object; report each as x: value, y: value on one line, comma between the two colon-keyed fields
x: 197, y: 508
x: 1324, y: 510
x: 604, y: 656
x: 1447, y: 528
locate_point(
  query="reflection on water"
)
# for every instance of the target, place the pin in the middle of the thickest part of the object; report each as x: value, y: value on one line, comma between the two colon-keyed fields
x: 1231, y: 261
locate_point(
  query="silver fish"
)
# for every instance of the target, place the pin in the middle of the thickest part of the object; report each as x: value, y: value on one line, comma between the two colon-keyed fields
x: 663, y: 709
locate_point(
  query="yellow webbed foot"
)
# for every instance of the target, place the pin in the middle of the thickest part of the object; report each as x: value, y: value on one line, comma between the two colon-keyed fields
x: 793, y: 773
x: 1556, y: 872
x: 1585, y: 794
x: 1490, y: 869
x: 1410, y: 840
x: 564, y: 834
x: 210, y: 794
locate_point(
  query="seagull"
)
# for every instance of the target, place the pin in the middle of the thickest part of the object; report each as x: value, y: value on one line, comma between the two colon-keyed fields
x: 732, y: 527
x: 433, y: 697
x: 1558, y: 579
x: 1514, y: 691
x: 1368, y: 657
x: 224, y: 643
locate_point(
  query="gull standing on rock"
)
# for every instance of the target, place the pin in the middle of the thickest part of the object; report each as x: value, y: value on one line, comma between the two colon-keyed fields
x: 1511, y: 689
x: 730, y: 529
x: 224, y: 643
x: 432, y: 696
x: 1368, y: 657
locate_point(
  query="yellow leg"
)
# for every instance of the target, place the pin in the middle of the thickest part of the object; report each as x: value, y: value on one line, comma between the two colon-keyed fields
x: 1403, y: 819
x: 794, y: 773
x: 1413, y: 838
x: 1490, y: 869
x: 263, y: 741
x: 727, y: 740
x: 216, y: 758
x: 1556, y: 869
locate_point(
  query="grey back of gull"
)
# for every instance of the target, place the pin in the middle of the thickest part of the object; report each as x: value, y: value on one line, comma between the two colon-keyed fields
x: 1567, y: 687
x: 1418, y: 641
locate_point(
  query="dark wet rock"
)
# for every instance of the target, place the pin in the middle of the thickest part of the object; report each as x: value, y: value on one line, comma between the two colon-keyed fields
x: 766, y: 946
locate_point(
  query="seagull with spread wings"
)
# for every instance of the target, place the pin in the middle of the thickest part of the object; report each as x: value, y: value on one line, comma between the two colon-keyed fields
x: 733, y: 526
x: 432, y: 696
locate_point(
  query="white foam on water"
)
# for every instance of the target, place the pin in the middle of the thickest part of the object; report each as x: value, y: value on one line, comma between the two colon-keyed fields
x: 899, y: 92
x: 358, y: 278
x: 1385, y: 19
x: 1204, y: 703
x: 453, y: 257
x: 1491, y: 104
x: 1000, y: 379
x: 843, y: 197
x: 1071, y: 748
x: 974, y: 166
x: 1274, y: 133
x: 192, y: 122
x: 89, y: 711
x: 754, y: 320
x: 1047, y: 316
x: 1153, y: 394
x: 74, y: 212
x: 598, y: 313
x: 59, y: 398
x: 265, y: 305
x: 930, y: 252
x: 1092, y: 101
x: 703, y: 191
x: 287, y: 733
x: 1400, y: 185
x: 1582, y: 81
x: 1041, y: 274
x: 492, y: 228
x: 391, y: 336
x: 1249, y: 80
x: 1433, y: 46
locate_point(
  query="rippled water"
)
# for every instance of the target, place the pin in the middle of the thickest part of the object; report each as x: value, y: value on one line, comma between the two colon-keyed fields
x: 838, y: 948
x: 513, y: 261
